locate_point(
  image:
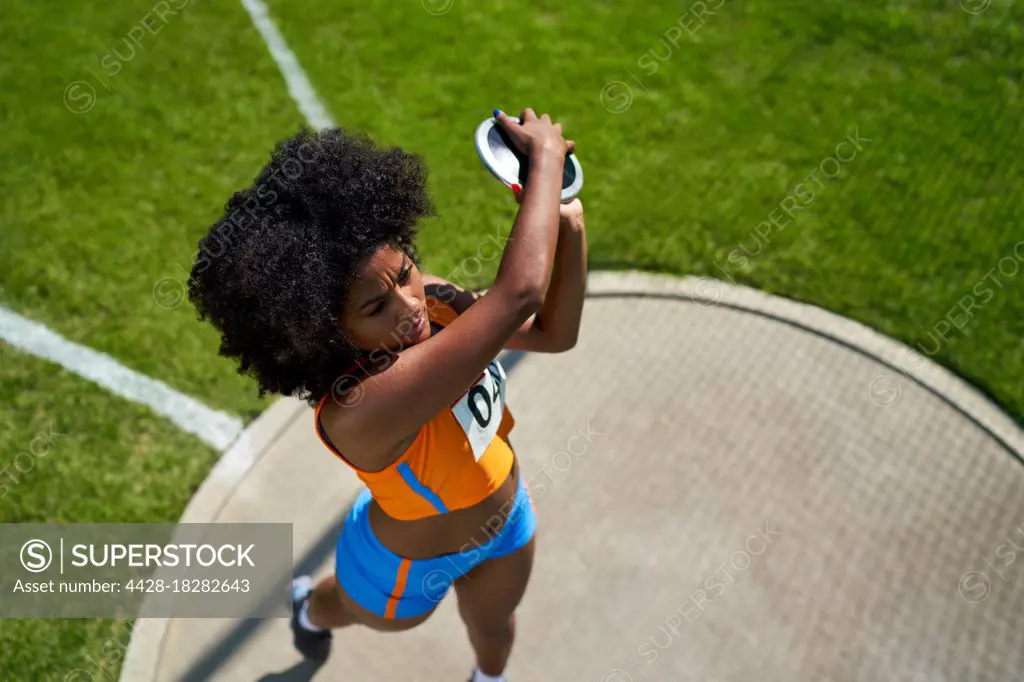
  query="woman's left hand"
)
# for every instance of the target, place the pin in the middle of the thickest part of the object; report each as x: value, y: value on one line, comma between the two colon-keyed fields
x: 570, y: 213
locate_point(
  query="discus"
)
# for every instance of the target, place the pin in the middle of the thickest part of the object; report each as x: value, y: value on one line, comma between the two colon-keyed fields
x: 510, y: 166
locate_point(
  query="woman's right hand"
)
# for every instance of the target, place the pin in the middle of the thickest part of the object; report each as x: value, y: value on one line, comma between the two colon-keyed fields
x: 535, y: 136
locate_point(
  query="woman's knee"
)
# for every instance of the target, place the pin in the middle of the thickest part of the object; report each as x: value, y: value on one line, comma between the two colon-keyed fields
x: 494, y: 630
x: 326, y: 608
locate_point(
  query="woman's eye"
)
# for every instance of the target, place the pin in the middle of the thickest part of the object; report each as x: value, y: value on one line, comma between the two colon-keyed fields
x: 403, y: 277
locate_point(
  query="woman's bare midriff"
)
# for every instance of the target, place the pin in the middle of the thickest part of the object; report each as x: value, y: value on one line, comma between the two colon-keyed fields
x: 457, y: 531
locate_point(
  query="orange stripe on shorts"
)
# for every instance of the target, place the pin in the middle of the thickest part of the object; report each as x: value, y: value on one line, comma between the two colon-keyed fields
x: 396, y: 594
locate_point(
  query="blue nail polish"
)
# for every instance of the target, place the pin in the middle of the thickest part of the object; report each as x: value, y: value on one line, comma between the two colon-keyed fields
x: 496, y: 112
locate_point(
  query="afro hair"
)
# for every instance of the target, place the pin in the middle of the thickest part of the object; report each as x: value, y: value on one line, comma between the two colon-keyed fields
x: 272, y: 275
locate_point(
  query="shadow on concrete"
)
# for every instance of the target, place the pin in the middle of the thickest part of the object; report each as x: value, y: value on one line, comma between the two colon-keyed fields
x: 300, y: 672
x: 205, y: 667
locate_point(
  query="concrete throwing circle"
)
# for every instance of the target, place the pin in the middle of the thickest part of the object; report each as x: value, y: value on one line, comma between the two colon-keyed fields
x: 754, y: 501
x: 729, y: 486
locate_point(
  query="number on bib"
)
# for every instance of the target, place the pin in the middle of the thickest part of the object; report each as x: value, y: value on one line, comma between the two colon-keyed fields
x: 479, y: 412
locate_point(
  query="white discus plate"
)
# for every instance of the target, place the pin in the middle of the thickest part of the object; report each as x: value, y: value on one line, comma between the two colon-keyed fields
x: 510, y: 166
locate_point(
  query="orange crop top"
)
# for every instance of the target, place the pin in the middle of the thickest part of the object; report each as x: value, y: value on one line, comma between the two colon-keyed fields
x: 458, y: 458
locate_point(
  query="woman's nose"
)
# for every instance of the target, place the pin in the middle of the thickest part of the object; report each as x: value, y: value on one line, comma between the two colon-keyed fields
x: 411, y: 305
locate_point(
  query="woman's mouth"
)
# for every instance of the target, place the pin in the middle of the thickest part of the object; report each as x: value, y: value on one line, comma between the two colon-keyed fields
x: 420, y: 324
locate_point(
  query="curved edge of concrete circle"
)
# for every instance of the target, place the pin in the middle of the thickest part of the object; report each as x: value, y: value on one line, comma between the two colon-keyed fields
x: 905, y: 363
x: 145, y: 648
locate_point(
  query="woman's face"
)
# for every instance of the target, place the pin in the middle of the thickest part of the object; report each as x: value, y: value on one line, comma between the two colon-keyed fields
x: 387, y: 307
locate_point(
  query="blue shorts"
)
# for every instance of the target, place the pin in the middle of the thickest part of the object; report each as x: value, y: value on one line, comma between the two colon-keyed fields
x: 396, y: 587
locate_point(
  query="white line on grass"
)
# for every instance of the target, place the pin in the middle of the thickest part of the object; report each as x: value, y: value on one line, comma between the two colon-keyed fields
x: 215, y: 428
x: 299, y: 86
x: 144, y: 653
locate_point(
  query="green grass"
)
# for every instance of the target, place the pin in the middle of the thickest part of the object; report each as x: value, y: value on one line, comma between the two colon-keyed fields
x: 99, y: 207
x: 720, y: 134
x: 108, y: 204
x: 103, y: 206
x: 110, y: 461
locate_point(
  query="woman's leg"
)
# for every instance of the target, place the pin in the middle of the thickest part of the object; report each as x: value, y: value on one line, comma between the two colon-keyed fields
x: 488, y: 596
x: 325, y: 607
x: 316, y: 610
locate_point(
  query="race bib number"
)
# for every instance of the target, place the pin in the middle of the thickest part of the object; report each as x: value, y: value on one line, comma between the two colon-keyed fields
x: 479, y: 412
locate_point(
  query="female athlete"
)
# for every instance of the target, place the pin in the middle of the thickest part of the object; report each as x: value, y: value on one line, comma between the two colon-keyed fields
x: 312, y: 278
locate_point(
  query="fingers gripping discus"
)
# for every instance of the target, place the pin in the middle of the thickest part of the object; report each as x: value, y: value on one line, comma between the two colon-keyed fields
x: 509, y: 165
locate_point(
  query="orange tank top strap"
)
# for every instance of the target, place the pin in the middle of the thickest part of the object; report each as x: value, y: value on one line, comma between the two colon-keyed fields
x: 344, y: 383
x: 440, y: 312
